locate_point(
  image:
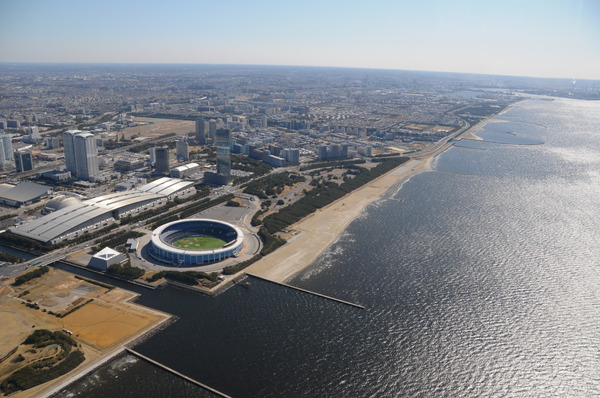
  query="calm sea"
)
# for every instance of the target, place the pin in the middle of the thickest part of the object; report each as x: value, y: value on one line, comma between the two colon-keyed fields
x: 480, y: 279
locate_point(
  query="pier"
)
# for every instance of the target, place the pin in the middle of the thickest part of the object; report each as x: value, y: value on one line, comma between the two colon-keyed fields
x: 309, y: 292
x: 176, y: 373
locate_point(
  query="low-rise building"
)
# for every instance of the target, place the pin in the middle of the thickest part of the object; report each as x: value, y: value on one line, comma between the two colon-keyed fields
x: 185, y: 170
x: 22, y: 194
x: 105, y: 258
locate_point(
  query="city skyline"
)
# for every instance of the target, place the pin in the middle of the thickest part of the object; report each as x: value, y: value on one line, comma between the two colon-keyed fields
x: 556, y: 38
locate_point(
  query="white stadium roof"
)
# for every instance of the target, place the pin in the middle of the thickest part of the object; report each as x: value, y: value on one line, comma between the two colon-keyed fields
x: 91, y: 211
x: 23, y: 191
x: 61, y: 222
x: 165, y: 186
x: 118, y: 200
x: 186, y: 167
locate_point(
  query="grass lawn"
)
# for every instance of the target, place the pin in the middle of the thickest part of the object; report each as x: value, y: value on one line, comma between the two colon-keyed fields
x: 199, y: 243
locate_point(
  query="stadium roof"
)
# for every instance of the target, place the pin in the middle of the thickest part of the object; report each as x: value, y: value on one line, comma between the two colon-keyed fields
x: 24, y: 192
x: 91, y: 211
x: 186, y: 167
x: 61, y: 222
x: 165, y: 186
x: 117, y: 200
x: 5, y: 187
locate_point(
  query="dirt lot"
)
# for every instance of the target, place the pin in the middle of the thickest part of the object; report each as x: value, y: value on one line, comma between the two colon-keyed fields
x: 157, y: 127
x: 18, y: 322
x: 102, y: 325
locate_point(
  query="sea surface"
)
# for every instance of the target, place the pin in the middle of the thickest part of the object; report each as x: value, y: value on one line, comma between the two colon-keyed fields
x: 480, y: 278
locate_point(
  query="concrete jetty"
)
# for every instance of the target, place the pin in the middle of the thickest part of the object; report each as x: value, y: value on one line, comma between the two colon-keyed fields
x: 176, y: 373
x: 309, y: 292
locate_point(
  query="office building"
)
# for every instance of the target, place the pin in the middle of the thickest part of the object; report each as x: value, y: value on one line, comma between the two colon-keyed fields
x: 212, y: 128
x: 56, y: 175
x: 183, y: 149
x: 52, y: 142
x: 201, y: 130
x: 23, y: 161
x: 162, y: 160
x: 152, y: 152
x: 14, y: 123
x: 6, y: 151
x: 224, y: 152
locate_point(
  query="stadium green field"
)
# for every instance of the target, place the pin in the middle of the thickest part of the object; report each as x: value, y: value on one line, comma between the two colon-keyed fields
x: 199, y: 243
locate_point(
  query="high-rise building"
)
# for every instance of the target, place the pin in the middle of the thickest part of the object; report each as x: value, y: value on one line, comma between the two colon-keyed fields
x: 86, y: 155
x: 162, y: 163
x: 152, y: 156
x: 292, y: 156
x: 212, y: 128
x: 69, y: 149
x: 183, y: 149
x: 52, y: 142
x: 322, y: 152
x: 224, y: 152
x: 201, y: 130
x: 344, y: 153
x: 81, y: 154
x: 23, y: 161
x: 6, y: 151
x: 34, y: 133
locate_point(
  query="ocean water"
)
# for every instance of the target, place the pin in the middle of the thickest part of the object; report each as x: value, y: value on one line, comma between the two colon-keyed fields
x: 480, y: 278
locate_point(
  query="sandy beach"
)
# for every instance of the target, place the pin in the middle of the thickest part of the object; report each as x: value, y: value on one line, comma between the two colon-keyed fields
x: 319, y: 230
x: 323, y: 228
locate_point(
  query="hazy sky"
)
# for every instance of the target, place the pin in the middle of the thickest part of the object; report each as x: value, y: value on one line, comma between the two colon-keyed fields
x: 545, y: 38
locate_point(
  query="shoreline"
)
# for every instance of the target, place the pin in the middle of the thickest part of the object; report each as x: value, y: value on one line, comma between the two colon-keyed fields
x: 324, y: 227
x: 318, y: 232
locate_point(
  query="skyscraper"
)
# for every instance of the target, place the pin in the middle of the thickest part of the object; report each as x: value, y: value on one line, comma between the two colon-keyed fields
x: 183, y: 149
x: 81, y: 154
x: 69, y: 149
x: 152, y: 152
x: 212, y: 127
x: 201, y: 130
x: 162, y: 164
x: 6, y: 152
x: 86, y: 156
x: 224, y: 152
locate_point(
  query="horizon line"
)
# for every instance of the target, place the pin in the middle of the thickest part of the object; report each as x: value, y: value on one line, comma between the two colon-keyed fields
x: 288, y: 66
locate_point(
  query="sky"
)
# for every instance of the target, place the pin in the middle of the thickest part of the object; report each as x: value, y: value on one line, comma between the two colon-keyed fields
x: 540, y: 38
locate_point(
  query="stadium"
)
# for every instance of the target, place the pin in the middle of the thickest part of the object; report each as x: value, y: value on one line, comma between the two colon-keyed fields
x: 194, y: 242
